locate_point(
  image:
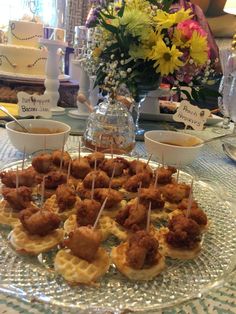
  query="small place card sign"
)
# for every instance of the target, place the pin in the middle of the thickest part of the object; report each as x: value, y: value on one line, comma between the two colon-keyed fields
x: 191, y: 115
x: 34, y: 105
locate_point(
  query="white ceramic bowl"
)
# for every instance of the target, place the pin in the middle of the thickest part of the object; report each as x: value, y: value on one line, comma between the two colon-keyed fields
x: 33, y: 142
x: 156, y: 143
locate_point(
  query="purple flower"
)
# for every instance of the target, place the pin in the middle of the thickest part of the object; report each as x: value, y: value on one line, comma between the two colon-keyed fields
x: 92, y: 18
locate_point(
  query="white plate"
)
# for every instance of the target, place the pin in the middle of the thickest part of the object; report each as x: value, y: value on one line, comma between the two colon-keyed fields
x: 77, y: 115
x: 169, y: 118
x: 28, y: 77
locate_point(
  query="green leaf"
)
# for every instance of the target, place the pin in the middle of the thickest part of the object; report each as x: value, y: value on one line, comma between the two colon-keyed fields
x: 122, y: 9
x: 109, y: 27
x: 187, y: 94
x: 108, y: 16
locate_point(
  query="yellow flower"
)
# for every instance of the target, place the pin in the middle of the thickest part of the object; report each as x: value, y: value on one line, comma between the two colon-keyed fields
x: 142, y: 5
x: 136, y: 22
x: 166, y: 59
x: 166, y: 20
x: 139, y: 52
x: 199, y: 48
x: 183, y: 15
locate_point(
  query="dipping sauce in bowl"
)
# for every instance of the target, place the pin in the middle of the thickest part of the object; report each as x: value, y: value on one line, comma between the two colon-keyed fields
x: 175, y: 148
x: 44, y: 134
x: 35, y: 130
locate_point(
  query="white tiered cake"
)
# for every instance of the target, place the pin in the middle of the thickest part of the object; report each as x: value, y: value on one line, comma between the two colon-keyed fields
x: 22, y: 55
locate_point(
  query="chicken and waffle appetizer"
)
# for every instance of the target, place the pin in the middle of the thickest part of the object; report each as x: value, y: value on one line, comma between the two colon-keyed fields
x: 194, y: 212
x: 165, y: 174
x: 139, y: 258
x: 182, y: 238
x: 174, y: 193
x: 131, y: 186
x: 14, y: 200
x: 63, y: 202
x: 26, y: 177
x: 87, y: 211
x: 38, y: 232
x: 83, y: 261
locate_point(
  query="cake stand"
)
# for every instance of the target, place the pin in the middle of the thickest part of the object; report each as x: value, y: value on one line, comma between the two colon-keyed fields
x: 52, y: 82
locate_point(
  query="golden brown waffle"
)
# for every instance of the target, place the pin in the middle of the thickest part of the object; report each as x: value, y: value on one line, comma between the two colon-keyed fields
x: 26, y: 243
x: 52, y: 205
x: 76, y: 270
x: 7, y: 215
x: 104, y: 226
x: 118, y: 255
x: 168, y: 250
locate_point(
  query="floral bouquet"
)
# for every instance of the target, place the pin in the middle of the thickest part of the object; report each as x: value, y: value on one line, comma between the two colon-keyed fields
x: 141, y: 42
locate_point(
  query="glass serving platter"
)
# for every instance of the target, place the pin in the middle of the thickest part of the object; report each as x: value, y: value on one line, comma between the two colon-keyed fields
x: 33, y: 278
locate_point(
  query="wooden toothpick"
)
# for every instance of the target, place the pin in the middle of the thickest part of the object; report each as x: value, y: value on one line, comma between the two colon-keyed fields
x: 149, y: 216
x: 100, y: 212
x: 177, y: 176
x: 156, y: 178
x: 148, y: 160
x: 68, y: 172
x: 190, y: 199
x: 23, y: 160
x: 42, y: 193
x: 79, y: 149
x: 62, y: 153
x: 93, y: 184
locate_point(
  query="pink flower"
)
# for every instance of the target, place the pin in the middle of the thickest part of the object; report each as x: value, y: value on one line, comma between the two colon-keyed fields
x: 188, y: 27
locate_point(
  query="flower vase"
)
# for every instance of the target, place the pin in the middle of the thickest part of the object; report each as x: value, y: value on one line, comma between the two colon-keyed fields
x: 110, y: 127
x: 143, y: 91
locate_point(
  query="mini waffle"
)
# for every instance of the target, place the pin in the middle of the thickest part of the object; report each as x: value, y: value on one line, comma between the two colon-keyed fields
x: 8, y: 216
x: 118, y: 255
x: 52, y: 205
x: 33, y: 244
x: 105, y: 226
x: 176, y: 253
x: 76, y: 270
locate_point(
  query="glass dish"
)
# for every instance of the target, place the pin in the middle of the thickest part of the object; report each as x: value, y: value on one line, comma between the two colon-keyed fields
x: 33, y: 278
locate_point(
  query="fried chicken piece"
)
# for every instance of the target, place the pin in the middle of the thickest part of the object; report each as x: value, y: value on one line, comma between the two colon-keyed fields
x: 40, y: 222
x: 142, y: 250
x: 117, y: 182
x: 66, y: 197
x: 57, y: 155
x: 132, y: 217
x: 152, y: 195
x: 84, y: 243
x: 19, y: 198
x: 113, y: 197
x: 164, y: 175
x: 184, y: 204
x: 138, y: 166
x: 87, y: 211
x: 197, y: 215
x: 53, y: 179
x: 42, y: 163
x: 26, y: 177
x: 183, y: 232
x: 98, y: 156
x: 82, y: 191
x: 132, y: 184
x: 175, y: 192
x: 119, y: 163
x: 101, y: 179
x: 80, y: 167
